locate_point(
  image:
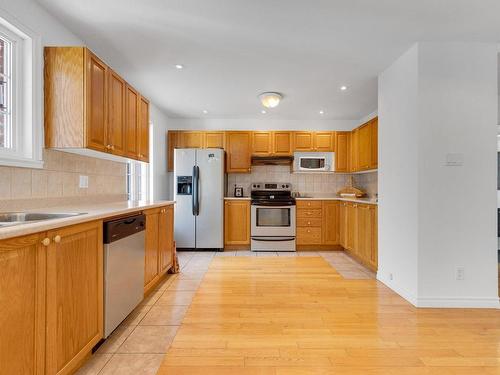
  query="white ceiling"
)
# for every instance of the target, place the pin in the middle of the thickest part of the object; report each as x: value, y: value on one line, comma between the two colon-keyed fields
x: 235, y: 49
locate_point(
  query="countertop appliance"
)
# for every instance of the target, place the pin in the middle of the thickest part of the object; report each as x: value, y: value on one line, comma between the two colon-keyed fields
x: 272, y: 217
x: 123, y: 268
x: 314, y: 162
x: 199, y: 196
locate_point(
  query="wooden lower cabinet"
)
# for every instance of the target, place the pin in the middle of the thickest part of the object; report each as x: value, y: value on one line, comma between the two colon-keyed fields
x: 74, y: 295
x: 236, y: 223
x: 22, y: 305
x: 331, y: 212
x: 317, y: 223
x: 159, y: 244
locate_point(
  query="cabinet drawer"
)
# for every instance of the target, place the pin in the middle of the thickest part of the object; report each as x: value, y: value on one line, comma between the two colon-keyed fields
x: 308, y: 236
x: 316, y: 213
x: 305, y: 222
x: 308, y: 204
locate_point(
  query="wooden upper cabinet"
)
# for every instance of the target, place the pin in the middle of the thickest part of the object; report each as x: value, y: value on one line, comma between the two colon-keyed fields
x: 74, y: 295
x: 96, y: 103
x: 22, y: 305
x: 88, y: 106
x: 342, y: 150
x: 131, y: 122
x: 364, y: 147
x: 214, y: 139
x: 238, y: 149
x: 354, y: 154
x: 236, y: 222
x: 117, y: 124
x: 374, y: 143
x: 282, y: 143
x: 173, y: 142
x: 303, y: 141
x: 262, y: 143
x: 192, y: 139
x: 143, y: 129
x: 324, y: 141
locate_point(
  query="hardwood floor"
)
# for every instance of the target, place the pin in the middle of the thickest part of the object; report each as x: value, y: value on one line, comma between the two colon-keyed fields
x: 297, y: 315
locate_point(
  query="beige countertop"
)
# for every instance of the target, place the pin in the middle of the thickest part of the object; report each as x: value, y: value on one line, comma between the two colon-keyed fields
x: 321, y: 198
x: 92, y: 212
x: 237, y: 198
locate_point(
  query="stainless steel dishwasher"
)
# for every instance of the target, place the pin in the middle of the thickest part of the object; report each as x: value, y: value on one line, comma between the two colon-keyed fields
x: 123, y: 268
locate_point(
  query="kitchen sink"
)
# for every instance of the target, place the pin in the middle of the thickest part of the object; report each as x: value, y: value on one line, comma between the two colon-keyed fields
x: 16, y: 218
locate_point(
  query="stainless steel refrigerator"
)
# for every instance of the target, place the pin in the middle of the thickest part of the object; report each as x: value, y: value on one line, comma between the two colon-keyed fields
x: 199, y: 196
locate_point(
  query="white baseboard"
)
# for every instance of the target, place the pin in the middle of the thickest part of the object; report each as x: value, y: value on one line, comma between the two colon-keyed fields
x: 450, y: 302
x: 396, y: 288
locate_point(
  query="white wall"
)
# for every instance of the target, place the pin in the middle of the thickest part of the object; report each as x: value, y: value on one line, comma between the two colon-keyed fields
x: 457, y: 205
x: 398, y: 165
x: 261, y: 124
x: 161, y: 183
x: 439, y: 98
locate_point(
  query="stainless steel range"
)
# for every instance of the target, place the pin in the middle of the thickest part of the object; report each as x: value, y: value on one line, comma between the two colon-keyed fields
x: 273, y: 217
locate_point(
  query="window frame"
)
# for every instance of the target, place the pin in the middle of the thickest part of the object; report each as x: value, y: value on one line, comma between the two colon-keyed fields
x: 27, y: 109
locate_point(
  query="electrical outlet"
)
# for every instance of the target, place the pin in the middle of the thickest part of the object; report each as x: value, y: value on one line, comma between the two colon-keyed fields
x: 84, y: 182
x: 460, y: 273
x: 391, y: 276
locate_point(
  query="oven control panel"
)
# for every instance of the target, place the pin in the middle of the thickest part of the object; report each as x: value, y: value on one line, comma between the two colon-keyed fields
x: 271, y: 186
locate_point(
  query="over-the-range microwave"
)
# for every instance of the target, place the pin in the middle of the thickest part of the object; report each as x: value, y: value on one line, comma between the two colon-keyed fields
x: 313, y: 162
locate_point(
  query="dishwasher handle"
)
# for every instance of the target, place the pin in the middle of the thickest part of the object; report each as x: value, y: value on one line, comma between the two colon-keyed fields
x: 115, y: 230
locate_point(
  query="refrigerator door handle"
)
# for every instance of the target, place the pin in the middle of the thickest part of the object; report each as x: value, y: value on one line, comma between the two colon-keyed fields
x: 196, y: 190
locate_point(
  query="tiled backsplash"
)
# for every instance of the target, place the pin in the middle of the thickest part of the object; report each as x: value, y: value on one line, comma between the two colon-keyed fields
x: 59, y: 178
x: 315, y: 183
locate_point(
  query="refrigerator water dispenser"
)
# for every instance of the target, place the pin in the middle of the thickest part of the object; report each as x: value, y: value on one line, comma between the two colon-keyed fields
x: 184, y: 185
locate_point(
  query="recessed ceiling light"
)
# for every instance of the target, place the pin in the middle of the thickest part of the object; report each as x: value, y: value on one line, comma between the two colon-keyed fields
x: 263, y: 112
x: 179, y: 66
x: 205, y: 111
x: 343, y: 88
x: 321, y: 112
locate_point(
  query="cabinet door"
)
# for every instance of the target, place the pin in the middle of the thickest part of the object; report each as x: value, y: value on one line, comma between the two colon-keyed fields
x: 238, y: 149
x: 374, y: 143
x: 363, y: 233
x: 166, y: 238
x: 364, y: 147
x: 342, y: 151
x: 96, y: 102
x: 236, y: 222
x: 352, y: 223
x: 214, y: 140
x: 374, y: 237
x: 192, y: 139
x: 330, y: 230
x: 324, y: 141
x: 151, y: 260
x: 131, y: 123
x: 262, y: 143
x: 74, y: 295
x: 303, y: 141
x: 22, y: 305
x: 343, y: 224
x: 116, y: 126
x: 282, y: 143
x: 143, y: 129
x: 172, y: 143
x: 354, y: 154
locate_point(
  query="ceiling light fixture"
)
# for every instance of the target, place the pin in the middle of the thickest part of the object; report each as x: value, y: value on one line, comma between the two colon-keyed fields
x: 205, y: 111
x: 179, y: 66
x: 321, y: 112
x: 270, y: 99
x: 343, y: 88
x: 263, y: 112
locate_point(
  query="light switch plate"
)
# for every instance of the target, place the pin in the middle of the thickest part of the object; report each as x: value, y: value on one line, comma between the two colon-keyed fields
x: 454, y: 160
x: 84, y: 182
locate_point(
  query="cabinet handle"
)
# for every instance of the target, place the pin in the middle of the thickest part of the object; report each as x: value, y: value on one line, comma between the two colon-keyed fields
x: 308, y: 223
x: 57, y: 239
x: 112, y: 147
x: 108, y: 147
x: 46, y: 241
x: 355, y: 205
x: 308, y: 231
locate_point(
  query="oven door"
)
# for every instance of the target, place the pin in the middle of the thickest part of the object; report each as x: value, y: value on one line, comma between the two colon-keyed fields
x: 270, y: 221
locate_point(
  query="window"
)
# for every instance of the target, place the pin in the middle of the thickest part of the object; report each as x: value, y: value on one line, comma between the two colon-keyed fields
x: 21, y: 121
x: 137, y: 181
x: 6, y: 94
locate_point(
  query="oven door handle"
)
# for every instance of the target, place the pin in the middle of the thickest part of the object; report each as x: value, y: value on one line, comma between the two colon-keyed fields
x: 273, y: 239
